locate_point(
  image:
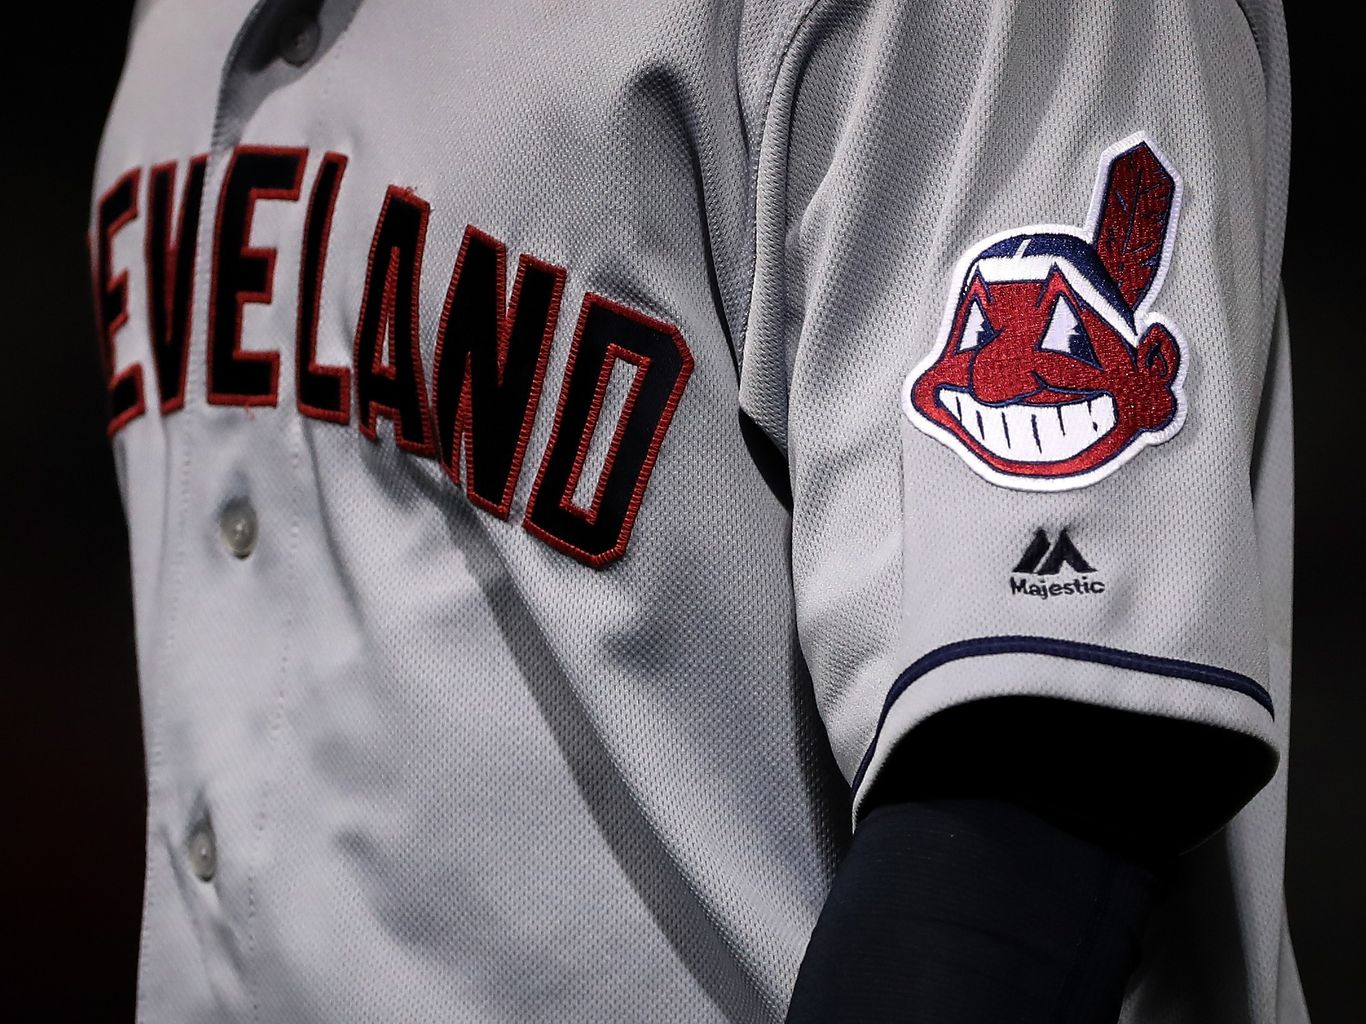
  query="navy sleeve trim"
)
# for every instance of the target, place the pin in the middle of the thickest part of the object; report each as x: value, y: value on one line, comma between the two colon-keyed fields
x: 1076, y: 651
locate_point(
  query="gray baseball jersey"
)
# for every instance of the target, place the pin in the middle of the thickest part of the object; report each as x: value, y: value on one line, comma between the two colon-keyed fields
x: 549, y: 431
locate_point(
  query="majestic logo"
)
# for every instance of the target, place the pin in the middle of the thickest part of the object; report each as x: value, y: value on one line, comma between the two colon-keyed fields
x: 1049, y: 372
x: 1044, y: 558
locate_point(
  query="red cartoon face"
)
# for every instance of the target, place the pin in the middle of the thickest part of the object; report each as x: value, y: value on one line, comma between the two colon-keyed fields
x: 1048, y: 372
x: 1037, y: 384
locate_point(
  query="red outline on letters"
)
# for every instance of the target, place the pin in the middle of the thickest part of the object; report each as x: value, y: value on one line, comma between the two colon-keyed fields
x: 247, y: 251
x: 170, y: 255
x: 306, y: 349
x: 598, y: 561
x: 613, y: 353
x: 463, y: 425
x: 369, y: 422
x: 104, y: 286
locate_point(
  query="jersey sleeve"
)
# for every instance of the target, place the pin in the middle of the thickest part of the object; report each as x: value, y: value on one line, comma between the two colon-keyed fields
x: 1013, y: 305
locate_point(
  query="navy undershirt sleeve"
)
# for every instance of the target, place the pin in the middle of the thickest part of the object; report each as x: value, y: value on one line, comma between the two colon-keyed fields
x: 973, y: 911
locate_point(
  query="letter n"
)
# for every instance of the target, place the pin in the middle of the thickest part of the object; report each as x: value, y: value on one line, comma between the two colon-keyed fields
x: 489, y: 365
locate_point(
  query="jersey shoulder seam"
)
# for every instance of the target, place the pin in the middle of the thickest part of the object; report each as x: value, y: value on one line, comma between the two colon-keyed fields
x: 801, y: 14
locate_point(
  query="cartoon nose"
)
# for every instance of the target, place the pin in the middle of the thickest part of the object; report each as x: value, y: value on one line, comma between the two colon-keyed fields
x: 1001, y: 373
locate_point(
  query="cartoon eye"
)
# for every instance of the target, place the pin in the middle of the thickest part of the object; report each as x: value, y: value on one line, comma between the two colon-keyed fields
x: 1066, y: 334
x: 977, y: 329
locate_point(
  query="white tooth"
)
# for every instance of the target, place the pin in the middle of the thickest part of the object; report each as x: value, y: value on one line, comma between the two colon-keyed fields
x: 1102, y: 414
x: 1022, y: 444
x: 1030, y: 433
x: 1077, y: 424
x: 955, y: 405
x: 993, y: 435
x: 1054, y: 441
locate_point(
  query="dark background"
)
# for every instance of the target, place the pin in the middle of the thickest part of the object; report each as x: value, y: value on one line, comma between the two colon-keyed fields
x: 73, y: 784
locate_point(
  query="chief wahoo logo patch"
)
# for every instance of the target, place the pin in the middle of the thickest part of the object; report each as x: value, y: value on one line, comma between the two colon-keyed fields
x: 1049, y: 371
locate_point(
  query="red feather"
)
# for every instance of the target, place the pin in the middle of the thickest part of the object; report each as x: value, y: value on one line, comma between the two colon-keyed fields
x: 1134, y: 217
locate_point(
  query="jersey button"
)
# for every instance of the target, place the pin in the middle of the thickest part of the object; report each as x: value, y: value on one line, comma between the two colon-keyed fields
x: 297, y: 40
x: 203, y: 853
x: 238, y: 525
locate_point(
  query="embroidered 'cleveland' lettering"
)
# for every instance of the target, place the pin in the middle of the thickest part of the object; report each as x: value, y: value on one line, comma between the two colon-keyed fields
x: 489, y: 366
x: 243, y: 273
x: 170, y: 261
x: 488, y: 370
x: 322, y: 392
x: 115, y: 209
x: 390, y: 383
x: 607, y: 332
